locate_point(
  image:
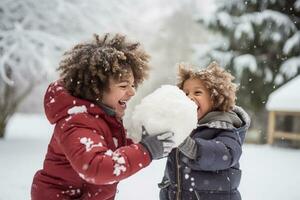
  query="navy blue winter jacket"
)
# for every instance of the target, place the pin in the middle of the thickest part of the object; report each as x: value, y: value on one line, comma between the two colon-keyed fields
x: 215, y: 173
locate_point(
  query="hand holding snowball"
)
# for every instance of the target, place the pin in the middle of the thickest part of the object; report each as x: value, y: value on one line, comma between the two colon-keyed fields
x: 158, y: 145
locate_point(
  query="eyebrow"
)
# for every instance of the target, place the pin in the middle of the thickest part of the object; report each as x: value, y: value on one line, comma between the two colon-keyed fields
x: 196, y: 88
x: 122, y: 81
x: 199, y: 88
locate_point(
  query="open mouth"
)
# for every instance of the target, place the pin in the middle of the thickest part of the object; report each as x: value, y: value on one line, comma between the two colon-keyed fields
x: 123, y: 103
x: 198, y: 107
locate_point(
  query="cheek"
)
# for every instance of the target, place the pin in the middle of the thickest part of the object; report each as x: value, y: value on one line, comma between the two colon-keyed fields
x: 210, y: 104
x: 110, y: 99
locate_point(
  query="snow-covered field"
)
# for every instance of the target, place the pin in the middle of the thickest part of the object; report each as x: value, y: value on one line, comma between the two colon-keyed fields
x: 269, y: 173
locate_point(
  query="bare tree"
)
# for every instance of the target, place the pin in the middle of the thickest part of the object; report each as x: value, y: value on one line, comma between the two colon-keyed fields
x: 33, y: 35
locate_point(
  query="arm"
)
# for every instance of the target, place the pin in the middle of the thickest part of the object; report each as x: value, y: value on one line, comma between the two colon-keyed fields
x: 85, y: 147
x: 219, y: 153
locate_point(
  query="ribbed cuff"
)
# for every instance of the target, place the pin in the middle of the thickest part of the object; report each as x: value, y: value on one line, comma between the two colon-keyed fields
x: 189, y: 148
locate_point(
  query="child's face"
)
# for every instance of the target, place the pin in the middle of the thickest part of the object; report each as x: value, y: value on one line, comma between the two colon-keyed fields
x: 197, y: 92
x: 118, y: 94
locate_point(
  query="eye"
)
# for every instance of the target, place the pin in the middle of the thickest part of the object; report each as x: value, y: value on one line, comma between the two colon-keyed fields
x: 123, y: 86
x: 198, y: 92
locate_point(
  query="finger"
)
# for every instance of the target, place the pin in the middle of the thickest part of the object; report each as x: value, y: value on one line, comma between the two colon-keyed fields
x: 167, y: 151
x: 169, y: 140
x: 165, y: 135
x: 168, y: 148
x: 168, y: 145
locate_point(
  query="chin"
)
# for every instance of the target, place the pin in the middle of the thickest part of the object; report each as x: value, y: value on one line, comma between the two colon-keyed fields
x: 200, y: 117
x: 120, y: 115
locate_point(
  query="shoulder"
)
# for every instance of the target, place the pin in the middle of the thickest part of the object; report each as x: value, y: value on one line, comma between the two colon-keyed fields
x: 83, y: 121
x: 212, y: 131
x: 205, y: 132
x: 224, y: 125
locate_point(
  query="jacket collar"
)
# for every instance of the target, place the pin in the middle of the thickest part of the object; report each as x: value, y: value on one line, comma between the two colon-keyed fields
x: 237, y: 118
x: 109, y: 111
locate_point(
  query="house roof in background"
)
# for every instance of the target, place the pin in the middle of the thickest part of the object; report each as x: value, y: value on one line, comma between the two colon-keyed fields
x: 286, y: 98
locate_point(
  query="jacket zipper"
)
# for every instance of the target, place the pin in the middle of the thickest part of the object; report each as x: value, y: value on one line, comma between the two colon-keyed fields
x: 178, y: 193
x: 197, y: 195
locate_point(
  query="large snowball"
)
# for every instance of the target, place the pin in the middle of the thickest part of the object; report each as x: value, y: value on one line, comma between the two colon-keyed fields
x: 166, y: 109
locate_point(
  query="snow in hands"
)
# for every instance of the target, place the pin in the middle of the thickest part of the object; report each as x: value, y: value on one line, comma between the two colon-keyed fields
x: 166, y: 109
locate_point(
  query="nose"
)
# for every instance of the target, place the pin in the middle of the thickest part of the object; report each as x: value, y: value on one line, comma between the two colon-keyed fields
x: 191, y: 97
x: 131, y: 91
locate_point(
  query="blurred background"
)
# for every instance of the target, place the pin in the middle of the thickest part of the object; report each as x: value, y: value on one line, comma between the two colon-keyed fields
x: 257, y: 41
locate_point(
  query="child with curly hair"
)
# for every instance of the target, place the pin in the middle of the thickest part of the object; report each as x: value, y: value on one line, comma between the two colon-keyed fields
x: 89, y: 152
x: 206, y: 165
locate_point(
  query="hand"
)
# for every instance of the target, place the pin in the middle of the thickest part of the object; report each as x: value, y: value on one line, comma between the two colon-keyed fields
x: 189, y: 148
x: 158, y: 145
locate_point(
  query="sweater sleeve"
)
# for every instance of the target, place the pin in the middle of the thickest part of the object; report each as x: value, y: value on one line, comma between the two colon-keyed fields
x: 219, y: 153
x: 87, y: 151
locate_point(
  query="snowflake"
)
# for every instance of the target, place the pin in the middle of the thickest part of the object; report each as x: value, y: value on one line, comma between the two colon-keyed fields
x: 108, y: 152
x: 67, y: 119
x: 59, y: 88
x: 89, y: 144
x: 77, y: 109
x: 186, y: 176
x: 225, y: 157
x: 118, y: 168
x: 115, y: 141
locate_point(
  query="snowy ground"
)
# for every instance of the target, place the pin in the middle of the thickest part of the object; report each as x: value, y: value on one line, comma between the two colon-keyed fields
x: 269, y: 173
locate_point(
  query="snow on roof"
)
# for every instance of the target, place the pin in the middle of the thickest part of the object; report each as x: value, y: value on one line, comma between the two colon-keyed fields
x: 286, y: 98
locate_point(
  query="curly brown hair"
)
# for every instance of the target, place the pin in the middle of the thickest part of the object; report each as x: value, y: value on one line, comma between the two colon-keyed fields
x: 216, y: 80
x: 87, y: 67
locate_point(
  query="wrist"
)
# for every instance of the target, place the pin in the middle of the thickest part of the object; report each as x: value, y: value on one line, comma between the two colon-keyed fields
x: 146, y: 149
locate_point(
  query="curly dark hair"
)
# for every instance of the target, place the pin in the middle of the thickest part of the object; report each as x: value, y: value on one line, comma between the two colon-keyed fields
x: 216, y: 80
x: 86, y: 68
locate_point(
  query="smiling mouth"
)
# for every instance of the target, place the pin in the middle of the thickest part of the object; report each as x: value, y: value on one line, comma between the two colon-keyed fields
x: 123, y: 103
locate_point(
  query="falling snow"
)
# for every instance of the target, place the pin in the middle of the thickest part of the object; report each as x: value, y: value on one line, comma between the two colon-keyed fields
x: 186, y: 176
x: 31, y: 146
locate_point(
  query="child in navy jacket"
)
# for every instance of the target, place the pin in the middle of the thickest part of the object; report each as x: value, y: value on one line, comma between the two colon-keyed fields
x: 206, y: 165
